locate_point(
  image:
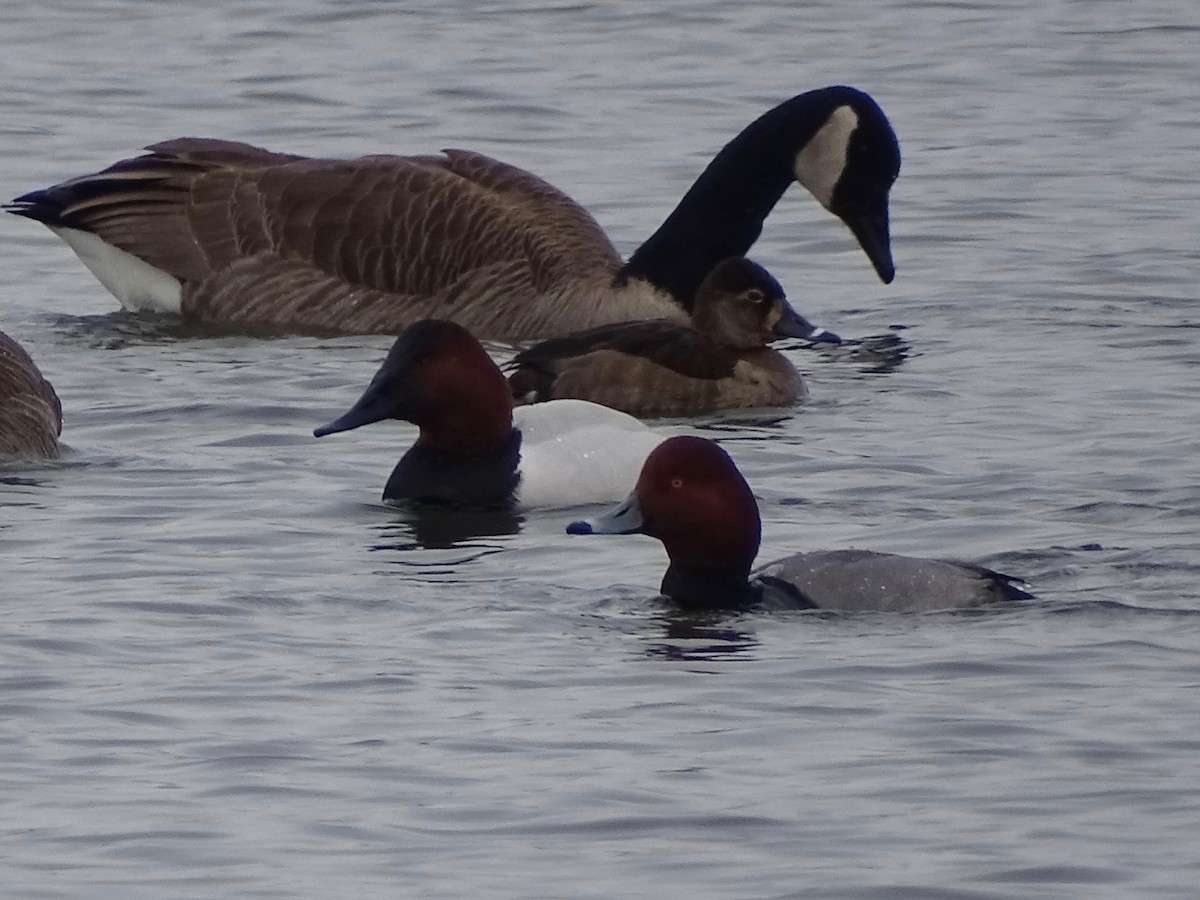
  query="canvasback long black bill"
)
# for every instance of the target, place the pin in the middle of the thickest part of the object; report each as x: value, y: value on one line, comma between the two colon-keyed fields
x: 373, y: 406
x: 625, y: 518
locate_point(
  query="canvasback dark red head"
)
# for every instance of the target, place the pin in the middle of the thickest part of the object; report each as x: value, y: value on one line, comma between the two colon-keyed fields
x: 440, y: 378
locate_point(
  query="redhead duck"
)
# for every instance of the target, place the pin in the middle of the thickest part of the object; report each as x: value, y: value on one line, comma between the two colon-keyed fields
x: 691, y: 497
x: 30, y: 412
x: 472, y: 450
x: 665, y: 368
x: 232, y: 234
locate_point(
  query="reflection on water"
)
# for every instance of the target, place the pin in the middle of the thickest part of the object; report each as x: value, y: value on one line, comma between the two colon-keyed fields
x: 438, y: 527
x: 9, y: 499
x: 875, y: 354
x: 120, y: 328
x: 117, y: 329
x: 699, y: 636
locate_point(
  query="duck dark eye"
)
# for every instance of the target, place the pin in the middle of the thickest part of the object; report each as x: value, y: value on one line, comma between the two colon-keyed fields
x: 755, y: 296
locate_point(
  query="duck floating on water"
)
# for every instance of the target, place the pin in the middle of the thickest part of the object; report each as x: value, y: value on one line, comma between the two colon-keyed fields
x: 665, y: 368
x: 235, y: 235
x: 692, y: 497
x: 30, y: 411
x: 475, y: 450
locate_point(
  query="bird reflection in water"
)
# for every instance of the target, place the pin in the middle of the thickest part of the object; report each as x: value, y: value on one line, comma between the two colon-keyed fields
x: 701, y: 636
x: 431, y: 527
x: 875, y: 354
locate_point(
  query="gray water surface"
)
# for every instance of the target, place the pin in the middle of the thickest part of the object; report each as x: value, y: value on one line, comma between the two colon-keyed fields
x: 227, y: 670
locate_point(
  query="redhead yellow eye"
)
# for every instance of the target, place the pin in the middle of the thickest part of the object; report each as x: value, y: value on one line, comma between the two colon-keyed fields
x: 677, y: 483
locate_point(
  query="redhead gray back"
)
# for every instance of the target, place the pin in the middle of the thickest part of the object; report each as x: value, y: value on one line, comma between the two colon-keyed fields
x: 30, y: 411
x: 866, y: 580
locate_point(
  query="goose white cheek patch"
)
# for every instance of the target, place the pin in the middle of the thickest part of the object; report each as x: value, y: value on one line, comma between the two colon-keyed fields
x: 821, y: 161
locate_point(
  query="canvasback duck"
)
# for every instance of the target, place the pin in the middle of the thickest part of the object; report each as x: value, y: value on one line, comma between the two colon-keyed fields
x: 231, y: 234
x: 692, y: 497
x: 473, y: 450
x: 30, y: 411
x: 666, y: 368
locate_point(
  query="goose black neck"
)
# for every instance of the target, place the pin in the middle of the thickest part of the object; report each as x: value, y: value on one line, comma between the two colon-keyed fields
x: 694, y: 587
x: 722, y: 214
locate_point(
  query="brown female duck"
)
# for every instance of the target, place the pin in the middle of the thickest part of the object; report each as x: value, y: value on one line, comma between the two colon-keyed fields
x: 665, y: 368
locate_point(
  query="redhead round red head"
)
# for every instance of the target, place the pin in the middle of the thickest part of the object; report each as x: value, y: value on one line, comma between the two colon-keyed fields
x: 691, y: 497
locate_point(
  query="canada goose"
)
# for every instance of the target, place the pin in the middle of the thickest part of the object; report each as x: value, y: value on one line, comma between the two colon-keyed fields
x: 30, y: 412
x: 227, y: 233
x: 665, y: 368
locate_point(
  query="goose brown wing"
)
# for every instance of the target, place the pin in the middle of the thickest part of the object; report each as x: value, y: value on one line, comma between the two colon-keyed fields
x: 414, y: 225
x: 402, y: 225
x: 268, y: 291
x: 142, y: 205
x: 564, y: 232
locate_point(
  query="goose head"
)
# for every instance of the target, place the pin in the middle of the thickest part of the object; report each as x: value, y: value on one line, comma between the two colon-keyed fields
x: 849, y: 163
x: 835, y: 141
